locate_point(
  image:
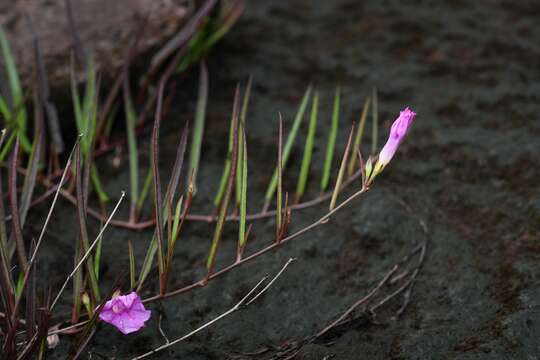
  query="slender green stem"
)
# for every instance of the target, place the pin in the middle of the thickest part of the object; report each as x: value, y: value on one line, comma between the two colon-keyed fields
x: 289, y: 144
x: 131, y: 120
x: 331, y: 143
x: 242, y: 130
x: 200, y: 116
x: 308, y: 149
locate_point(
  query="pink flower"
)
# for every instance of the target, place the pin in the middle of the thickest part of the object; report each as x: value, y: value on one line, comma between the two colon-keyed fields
x: 126, y: 312
x: 397, y: 133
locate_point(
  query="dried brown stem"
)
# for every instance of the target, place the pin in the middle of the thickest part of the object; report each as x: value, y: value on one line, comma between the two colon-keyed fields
x: 242, y: 304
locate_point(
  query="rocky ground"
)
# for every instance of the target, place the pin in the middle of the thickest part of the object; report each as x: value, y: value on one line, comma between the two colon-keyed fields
x: 469, y: 169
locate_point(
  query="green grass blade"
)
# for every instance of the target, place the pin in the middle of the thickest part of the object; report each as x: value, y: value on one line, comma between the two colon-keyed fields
x: 76, y: 99
x: 89, y: 109
x: 97, y: 258
x: 375, y: 124
x: 200, y: 116
x: 176, y: 223
x: 98, y: 187
x: 7, y: 146
x: 145, y: 189
x: 5, y: 111
x: 242, y: 131
x: 15, y: 89
x: 331, y: 143
x: 132, y: 270
x: 131, y: 120
x: 218, y: 232
x: 226, y: 169
x: 358, y: 137
x: 308, y: 149
x: 11, y: 69
x: 289, y: 143
x: 227, y: 24
x: 243, y: 195
x: 5, y: 259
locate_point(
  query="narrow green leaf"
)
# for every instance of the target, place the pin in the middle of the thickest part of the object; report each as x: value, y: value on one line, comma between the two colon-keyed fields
x: 11, y: 69
x: 358, y: 137
x: 243, y: 195
x: 230, y: 184
x: 228, y: 22
x: 76, y: 99
x: 97, y: 257
x: 226, y: 169
x: 176, y: 222
x: 109, y: 121
x: 5, y: 259
x: 331, y: 143
x: 7, y: 146
x: 132, y: 270
x: 289, y: 143
x: 131, y: 120
x: 5, y: 111
x: 200, y: 116
x: 145, y: 189
x: 15, y: 90
x: 308, y: 149
x: 98, y: 187
x: 242, y: 131
x: 19, y: 286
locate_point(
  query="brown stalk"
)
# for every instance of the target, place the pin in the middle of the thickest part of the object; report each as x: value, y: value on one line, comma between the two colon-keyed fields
x: 157, y: 188
x: 15, y: 218
x: 139, y: 226
x: 240, y: 250
x: 341, y: 173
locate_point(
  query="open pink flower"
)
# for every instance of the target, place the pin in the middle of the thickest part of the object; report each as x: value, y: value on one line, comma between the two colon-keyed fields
x: 125, y: 312
x: 397, y: 133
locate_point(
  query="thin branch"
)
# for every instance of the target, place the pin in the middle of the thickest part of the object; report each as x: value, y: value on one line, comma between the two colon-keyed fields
x: 242, y: 304
x: 98, y: 237
x: 323, y: 220
x: 142, y: 225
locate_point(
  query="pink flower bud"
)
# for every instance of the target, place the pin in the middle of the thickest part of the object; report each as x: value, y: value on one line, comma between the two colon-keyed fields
x: 397, y: 133
x: 125, y: 312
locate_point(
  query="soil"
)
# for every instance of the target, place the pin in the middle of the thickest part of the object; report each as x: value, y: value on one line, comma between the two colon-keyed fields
x: 469, y: 170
